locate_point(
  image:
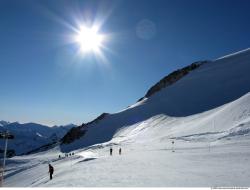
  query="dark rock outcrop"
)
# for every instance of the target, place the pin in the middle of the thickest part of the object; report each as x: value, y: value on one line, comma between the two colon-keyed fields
x: 73, y: 134
x: 172, y: 78
x: 96, y: 120
x: 78, y: 132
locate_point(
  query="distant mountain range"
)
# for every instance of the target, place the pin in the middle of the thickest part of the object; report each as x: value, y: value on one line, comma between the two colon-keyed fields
x: 30, y: 136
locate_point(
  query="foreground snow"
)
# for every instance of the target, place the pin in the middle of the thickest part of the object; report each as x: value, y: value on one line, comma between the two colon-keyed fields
x: 224, y: 165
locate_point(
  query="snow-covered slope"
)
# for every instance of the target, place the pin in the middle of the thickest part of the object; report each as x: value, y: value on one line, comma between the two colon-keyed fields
x: 211, y: 149
x: 30, y: 136
x: 227, y: 122
x: 210, y: 142
x: 211, y: 85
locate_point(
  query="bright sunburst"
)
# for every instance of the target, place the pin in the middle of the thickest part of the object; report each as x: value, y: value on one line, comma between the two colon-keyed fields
x: 89, y: 39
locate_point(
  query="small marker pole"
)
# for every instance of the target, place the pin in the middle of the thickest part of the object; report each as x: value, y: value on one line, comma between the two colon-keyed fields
x: 5, y: 135
x: 5, y: 152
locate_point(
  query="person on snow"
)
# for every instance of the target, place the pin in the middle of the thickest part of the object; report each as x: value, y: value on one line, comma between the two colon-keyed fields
x: 120, y: 151
x: 51, y: 171
x: 110, y: 151
x: 173, y: 146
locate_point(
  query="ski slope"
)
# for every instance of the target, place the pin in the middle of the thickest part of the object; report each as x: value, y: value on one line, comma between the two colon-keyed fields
x: 226, y: 165
x: 211, y: 156
x: 206, y: 114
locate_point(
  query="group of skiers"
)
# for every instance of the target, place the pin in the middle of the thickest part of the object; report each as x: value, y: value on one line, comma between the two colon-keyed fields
x: 111, y: 151
x: 67, y: 155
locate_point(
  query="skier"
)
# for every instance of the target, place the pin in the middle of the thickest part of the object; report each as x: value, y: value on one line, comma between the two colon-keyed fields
x: 173, y: 146
x: 120, y: 151
x: 51, y: 171
x: 110, y: 151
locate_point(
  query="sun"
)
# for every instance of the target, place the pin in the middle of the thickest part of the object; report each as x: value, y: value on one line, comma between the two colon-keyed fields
x: 91, y: 43
x: 89, y: 39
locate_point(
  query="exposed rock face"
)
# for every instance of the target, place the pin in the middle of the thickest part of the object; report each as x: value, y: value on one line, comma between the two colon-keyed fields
x: 172, y: 78
x: 73, y: 134
x: 77, y: 132
x: 96, y: 120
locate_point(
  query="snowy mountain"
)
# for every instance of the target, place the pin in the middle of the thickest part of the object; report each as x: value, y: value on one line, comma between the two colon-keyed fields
x: 192, y: 131
x: 208, y: 85
x: 3, y: 123
x: 30, y: 136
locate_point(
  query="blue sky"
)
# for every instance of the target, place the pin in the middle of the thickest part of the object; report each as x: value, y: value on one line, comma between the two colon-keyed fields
x: 44, y: 80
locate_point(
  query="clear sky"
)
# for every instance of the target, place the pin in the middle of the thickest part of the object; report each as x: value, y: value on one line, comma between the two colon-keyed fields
x: 44, y: 78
